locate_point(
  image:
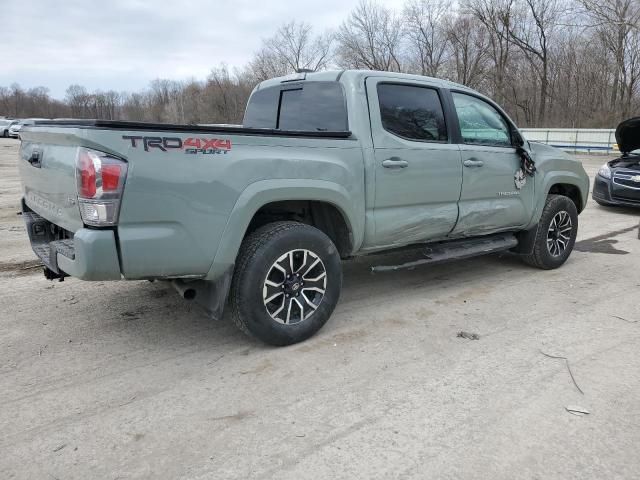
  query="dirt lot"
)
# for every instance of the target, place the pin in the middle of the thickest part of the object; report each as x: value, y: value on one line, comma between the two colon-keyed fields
x: 126, y: 380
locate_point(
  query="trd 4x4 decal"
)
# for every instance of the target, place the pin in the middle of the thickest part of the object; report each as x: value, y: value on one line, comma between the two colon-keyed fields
x: 191, y: 145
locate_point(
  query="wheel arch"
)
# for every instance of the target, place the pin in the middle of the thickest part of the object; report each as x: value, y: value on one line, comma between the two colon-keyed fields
x: 326, y: 205
x: 568, y: 190
x: 567, y: 183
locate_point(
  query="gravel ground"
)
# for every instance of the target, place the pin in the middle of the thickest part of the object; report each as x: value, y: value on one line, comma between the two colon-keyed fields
x: 126, y: 380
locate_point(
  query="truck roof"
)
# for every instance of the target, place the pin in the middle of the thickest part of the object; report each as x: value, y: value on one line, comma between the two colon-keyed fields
x: 357, y: 76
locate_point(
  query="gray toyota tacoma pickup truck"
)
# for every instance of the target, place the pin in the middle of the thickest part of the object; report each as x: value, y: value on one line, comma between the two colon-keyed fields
x: 326, y: 166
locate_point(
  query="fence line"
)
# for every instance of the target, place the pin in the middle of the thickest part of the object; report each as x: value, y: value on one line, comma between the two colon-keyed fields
x: 574, y: 139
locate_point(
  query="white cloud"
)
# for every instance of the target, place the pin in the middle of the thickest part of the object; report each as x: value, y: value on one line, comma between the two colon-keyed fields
x: 123, y: 44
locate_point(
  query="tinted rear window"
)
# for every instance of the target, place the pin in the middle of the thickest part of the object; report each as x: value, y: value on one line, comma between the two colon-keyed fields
x: 307, y: 106
x: 412, y: 112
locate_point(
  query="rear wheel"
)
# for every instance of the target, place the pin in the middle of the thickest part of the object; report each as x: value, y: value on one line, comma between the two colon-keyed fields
x: 286, y: 284
x: 556, y: 235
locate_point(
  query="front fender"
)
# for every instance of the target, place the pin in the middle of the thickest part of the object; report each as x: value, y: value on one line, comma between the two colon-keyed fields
x: 262, y: 192
x: 578, y: 179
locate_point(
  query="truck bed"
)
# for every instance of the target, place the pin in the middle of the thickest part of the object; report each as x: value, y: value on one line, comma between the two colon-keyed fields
x: 178, y: 201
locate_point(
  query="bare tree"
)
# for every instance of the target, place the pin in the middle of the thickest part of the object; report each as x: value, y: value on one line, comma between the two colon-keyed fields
x: 617, y: 23
x: 291, y: 49
x: 371, y: 38
x: 532, y: 33
x: 496, y: 16
x: 295, y: 44
x: 427, y: 35
x: 265, y: 64
x: 631, y: 73
x: 78, y: 100
x: 468, y: 39
x: 226, y: 95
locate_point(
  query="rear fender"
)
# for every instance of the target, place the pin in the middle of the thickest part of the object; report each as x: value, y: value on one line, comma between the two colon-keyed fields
x: 263, y: 192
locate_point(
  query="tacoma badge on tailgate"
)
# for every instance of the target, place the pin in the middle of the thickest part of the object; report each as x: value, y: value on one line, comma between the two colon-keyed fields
x: 44, y: 204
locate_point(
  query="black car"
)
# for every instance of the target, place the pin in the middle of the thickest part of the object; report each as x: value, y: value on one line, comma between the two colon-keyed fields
x: 618, y: 181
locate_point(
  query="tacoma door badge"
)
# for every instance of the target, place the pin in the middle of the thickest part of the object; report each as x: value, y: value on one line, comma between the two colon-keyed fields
x: 520, y: 179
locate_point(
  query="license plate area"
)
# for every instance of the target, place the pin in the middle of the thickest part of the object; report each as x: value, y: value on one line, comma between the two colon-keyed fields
x: 47, y: 239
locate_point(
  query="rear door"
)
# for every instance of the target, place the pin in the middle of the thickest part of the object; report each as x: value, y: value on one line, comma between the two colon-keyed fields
x: 417, y: 168
x: 492, y: 199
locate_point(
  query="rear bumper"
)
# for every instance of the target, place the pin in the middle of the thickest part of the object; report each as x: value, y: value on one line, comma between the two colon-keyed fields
x: 89, y: 255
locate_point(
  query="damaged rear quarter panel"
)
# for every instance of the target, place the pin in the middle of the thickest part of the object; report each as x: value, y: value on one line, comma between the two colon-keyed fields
x: 193, y: 204
x: 332, y: 175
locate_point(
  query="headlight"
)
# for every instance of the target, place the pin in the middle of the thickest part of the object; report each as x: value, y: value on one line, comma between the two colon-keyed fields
x: 605, y: 171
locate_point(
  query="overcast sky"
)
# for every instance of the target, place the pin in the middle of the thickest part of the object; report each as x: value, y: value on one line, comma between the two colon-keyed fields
x: 123, y: 44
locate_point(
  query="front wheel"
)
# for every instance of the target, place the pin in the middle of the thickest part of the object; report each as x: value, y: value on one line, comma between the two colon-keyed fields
x: 556, y: 235
x: 286, y: 284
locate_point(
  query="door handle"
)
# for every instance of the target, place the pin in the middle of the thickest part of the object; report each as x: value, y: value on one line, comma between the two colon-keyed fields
x: 473, y: 162
x: 395, y: 162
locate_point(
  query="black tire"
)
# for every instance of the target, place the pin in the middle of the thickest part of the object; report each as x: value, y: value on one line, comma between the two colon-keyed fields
x: 255, y: 264
x: 5, y: 134
x: 542, y: 255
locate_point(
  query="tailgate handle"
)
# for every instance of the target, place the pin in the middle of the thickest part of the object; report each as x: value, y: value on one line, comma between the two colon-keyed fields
x: 36, y: 158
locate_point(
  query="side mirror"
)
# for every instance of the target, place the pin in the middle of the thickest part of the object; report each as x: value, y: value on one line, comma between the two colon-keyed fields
x: 518, y: 140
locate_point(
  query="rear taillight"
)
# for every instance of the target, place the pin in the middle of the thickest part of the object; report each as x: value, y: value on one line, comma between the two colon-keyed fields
x: 86, y: 174
x: 100, y: 179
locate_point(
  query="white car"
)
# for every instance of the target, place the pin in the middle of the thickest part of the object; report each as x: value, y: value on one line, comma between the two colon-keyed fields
x: 14, y: 130
x: 5, y: 124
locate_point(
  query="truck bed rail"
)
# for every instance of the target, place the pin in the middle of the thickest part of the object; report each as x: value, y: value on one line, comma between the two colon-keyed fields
x: 150, y: 126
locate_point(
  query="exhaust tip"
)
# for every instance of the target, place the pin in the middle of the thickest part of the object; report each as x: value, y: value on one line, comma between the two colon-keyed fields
x: 185, y: 290
x: 189, y: 294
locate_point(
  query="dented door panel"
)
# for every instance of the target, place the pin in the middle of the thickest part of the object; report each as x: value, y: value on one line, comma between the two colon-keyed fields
x: 491, y: 200
x: 417, y: 183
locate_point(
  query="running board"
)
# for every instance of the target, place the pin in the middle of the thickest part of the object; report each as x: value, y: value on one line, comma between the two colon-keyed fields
x: 456, y: 249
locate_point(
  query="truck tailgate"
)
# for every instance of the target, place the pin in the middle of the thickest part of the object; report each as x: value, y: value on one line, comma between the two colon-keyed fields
x: 47, y: 169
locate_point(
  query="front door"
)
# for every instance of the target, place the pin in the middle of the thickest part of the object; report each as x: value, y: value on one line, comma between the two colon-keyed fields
x: 495, y: 196
x: 418, y: 172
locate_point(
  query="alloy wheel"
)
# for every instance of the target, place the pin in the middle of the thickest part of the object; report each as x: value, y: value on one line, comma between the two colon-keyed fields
x: 294, y: 286
x: 559, y: 233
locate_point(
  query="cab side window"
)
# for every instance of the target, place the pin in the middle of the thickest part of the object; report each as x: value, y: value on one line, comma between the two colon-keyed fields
x: 480, y: 122
x: 412, y: 112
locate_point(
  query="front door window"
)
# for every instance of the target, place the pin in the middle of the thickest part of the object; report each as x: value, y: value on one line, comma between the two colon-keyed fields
x: 480, y: 123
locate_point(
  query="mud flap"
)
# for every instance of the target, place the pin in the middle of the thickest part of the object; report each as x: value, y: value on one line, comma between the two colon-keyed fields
x: 526, y: 241
x: 210, y: 295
